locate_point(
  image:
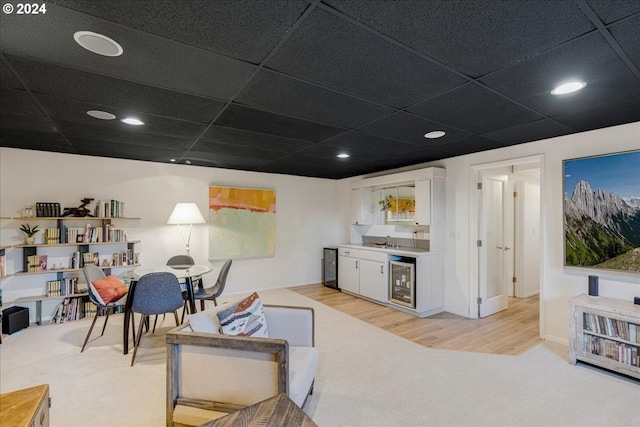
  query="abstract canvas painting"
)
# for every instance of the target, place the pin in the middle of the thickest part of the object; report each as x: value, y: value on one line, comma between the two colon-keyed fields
x: 242, y: 222
x: 602, y: 212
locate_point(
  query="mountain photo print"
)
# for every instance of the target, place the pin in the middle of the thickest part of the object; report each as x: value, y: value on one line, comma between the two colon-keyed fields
x: 602, y: 212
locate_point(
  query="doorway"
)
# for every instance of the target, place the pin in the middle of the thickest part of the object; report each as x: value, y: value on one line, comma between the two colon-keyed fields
x: 507, y: 215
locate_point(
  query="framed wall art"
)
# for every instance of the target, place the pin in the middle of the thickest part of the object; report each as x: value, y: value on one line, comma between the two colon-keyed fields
x: 602, y: 212
x: 242, y: 222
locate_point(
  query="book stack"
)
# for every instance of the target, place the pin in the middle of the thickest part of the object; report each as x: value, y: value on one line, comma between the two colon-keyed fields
x: 36, y: 263
x: 71, y: 234
x: 90, y: 258
x: 111, y: 209
x: 123, y: 258
x: 70, y: 309
x: 112, y: 234
x: 47, y: 209
x: 52, y: 236
x: 91, y: 234
x: 74, y: 260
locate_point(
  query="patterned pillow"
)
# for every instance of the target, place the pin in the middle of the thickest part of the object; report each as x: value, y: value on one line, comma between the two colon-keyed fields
x: 108, y: 289
x: 244, y: 318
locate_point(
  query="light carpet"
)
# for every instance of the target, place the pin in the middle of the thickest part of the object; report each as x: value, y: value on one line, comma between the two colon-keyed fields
x: 367, y: 377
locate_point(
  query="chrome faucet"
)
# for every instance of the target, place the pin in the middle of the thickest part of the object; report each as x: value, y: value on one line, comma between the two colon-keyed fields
x: 388, y: 240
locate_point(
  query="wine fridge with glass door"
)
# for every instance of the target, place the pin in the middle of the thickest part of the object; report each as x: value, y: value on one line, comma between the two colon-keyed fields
x: 402, y: 280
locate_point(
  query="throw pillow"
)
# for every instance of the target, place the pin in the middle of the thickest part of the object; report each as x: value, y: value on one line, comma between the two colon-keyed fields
x: 207, y: 320
x: 245, y: 318
x: 108, y: 289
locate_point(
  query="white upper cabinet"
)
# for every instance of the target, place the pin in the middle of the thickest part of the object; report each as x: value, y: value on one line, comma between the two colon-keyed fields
x: 423, y: 202
x: 361, y: 206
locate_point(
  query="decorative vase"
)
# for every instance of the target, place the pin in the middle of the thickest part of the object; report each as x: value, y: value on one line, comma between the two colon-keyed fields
x: 389, y: 215
x: 29, y: 240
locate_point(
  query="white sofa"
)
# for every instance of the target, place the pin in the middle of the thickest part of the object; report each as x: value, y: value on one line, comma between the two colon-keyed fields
x: 210, y: 375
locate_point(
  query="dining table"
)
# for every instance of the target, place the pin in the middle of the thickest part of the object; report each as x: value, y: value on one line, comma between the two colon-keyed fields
x: 186, y: 274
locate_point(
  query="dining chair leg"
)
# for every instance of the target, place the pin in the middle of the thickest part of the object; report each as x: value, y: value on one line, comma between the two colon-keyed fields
x: 175, y: 314
x: 106, y: 319
x: 185, y: 308
x: 135, y: 348
x: 133, y: 328
x: 201, y: 305
x: 90, y: 329
x: 155, y: 322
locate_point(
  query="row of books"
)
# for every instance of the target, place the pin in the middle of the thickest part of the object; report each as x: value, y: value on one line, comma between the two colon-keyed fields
x: 614, y: 328
x: 126, y: 257
x: 615, y: 350
x: 110, y: 209
x: 66, y: 286
x: 36, y: 263
x: 70, y: 309
x: 52, y: 236
x: 47, y: 209
x: 3, y: 266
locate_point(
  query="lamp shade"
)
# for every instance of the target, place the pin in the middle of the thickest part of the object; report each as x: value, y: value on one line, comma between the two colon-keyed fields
x: 186, y: 213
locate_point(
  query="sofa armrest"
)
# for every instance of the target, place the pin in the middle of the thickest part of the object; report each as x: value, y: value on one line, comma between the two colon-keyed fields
x: 293, y: 324
x: 198, y: 366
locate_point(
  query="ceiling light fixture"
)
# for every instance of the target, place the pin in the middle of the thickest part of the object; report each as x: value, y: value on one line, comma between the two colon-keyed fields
x: 172, y: 160
x: 102, y: 115
x: 435, y: 134
x: 98, y: 43
x: 132, y: 121
x: 343, y: 156
x: 568, y: 88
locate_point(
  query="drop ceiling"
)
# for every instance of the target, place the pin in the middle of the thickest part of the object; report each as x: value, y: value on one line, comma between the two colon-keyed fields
x: 284, y: 86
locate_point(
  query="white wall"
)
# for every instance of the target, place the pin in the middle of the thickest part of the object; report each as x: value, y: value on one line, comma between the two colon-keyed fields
x: 307, y: 218
x: 558, y: 283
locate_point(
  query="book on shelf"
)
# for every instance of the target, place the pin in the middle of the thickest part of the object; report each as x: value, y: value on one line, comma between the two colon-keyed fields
x: 3, y: 266
x: 47, y: 209
x: 91, y: 258
x: 110, y: 209
x: 52, y: 236
x: 42, y: 262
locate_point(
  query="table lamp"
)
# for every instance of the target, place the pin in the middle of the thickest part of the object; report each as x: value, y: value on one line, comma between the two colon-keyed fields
x: 183, y: 214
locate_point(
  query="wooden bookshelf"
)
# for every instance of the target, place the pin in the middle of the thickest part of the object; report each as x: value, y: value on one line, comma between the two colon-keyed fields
x: 605, y: 332
x: 102, y: 226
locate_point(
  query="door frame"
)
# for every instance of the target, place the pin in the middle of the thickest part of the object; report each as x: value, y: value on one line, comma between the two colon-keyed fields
x: 474, y: 175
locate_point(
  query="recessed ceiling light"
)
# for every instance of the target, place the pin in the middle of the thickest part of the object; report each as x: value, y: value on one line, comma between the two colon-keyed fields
x: 435, y: 134
x: 102, y: 115
x: 188, y: 162
x: 568, y: 88
x: 172, y: 160
x: 132, y: 121
x: 97, y: 43
x: 343, y: 156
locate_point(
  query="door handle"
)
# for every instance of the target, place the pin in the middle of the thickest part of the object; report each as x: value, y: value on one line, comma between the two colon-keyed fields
x: 499, y: 247
x: 506, y: 248
x: 381, y: 269
x: 356, y: 264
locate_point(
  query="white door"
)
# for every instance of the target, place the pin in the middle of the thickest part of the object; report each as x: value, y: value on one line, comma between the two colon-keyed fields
x: 493, y: 285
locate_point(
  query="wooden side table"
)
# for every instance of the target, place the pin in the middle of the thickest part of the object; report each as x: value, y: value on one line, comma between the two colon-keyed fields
x: 28, y: 407
x: 277, y: 411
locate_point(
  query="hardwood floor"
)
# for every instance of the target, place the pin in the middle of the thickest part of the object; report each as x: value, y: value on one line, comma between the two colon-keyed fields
x: 509, y: 332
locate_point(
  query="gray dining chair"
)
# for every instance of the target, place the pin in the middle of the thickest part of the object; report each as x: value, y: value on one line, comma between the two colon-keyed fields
x: 156, y: 293
x: 213, y: 292
x: 182, y: 261
x: 91, y: 273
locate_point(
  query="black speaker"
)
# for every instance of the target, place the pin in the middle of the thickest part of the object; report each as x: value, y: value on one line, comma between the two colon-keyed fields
x: 593, y: 286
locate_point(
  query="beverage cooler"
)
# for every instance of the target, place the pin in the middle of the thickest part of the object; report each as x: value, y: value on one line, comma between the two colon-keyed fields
x: 330, y: 267
x: 402, y: 280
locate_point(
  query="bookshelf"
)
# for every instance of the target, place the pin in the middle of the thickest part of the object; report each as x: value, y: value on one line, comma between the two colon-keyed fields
x: 605, y: 332
x: 93, y: 237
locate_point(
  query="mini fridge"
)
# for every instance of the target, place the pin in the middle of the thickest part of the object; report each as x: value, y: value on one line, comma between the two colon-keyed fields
x: 330, y: 267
